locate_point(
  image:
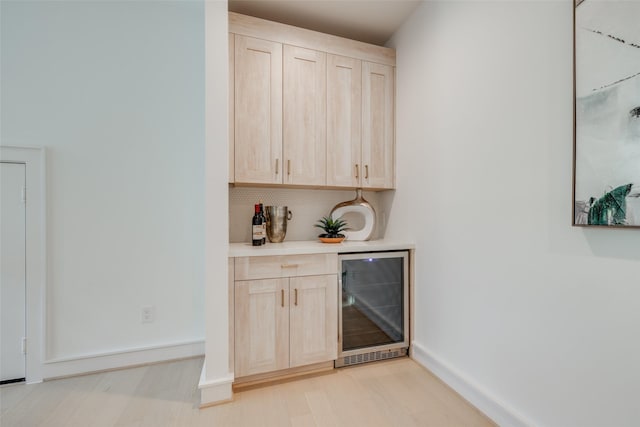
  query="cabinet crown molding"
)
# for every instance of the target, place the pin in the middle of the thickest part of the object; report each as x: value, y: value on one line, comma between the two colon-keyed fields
x: 287, y: 34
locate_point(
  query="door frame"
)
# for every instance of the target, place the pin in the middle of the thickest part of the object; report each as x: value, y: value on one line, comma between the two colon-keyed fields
x: 35, y: 235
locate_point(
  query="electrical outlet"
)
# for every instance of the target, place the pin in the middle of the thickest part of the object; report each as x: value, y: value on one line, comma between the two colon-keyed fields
x: 147, y: 314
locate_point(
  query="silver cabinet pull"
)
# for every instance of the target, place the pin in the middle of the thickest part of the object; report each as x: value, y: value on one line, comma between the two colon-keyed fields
x: 288, y: 167
x: 296, y: 296
x: 282, y: 297
x: 366, y: 171
x: 277, y: 165
x: 357, y: 172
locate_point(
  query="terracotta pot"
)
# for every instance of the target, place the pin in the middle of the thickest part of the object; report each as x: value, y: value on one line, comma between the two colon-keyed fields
x: 331, y: 239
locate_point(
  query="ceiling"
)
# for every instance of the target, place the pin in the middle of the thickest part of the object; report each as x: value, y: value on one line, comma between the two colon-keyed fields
x: 370, y: 21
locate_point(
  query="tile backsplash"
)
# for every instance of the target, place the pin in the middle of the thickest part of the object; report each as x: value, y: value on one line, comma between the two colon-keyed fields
x: 306, y: 205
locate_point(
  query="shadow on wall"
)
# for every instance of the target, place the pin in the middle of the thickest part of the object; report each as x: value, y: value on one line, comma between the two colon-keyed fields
x: 385, y: 211
x: 618, y: 243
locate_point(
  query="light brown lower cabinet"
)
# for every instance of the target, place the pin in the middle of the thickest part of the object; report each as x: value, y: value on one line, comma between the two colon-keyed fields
x: 283, y: 323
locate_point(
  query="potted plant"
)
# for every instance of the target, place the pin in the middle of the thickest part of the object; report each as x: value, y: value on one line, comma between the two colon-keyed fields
x: 332, y: 228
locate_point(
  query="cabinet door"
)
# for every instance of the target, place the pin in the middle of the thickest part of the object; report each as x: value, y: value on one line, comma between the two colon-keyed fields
x: 313, y: 319
x: 378, y: 126
x: 344, y: 121
x: 258, y: 111
x: 261, y: 326
x: 304, y: 120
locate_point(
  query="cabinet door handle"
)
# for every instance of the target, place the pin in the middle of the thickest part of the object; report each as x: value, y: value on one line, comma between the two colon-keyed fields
x: 295, y: 302
x: 277, y: 165
x: 288, y: 167
x: 366, y: 171
x: 357, y: 172
x: 288, y: 265
x: 282, y: 297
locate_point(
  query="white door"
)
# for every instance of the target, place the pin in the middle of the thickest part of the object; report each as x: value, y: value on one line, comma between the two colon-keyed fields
x: 12, y: 271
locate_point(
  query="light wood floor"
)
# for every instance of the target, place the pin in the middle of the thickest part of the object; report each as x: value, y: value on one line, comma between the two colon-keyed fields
x: 397, y: 392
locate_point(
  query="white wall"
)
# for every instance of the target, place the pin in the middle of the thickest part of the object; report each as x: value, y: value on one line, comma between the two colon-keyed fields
x: 513, y: 306
x: 115, y: 91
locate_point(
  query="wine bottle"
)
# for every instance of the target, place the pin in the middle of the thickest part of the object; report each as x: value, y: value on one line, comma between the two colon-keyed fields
x: 264, y: 224
x: 256, y: 227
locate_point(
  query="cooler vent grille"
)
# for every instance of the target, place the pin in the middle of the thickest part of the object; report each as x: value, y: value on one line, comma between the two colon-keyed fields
x: 370, y: 357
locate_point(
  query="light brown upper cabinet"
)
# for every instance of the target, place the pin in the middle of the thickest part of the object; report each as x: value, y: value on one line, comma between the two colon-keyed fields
x: 310, y: 109
x: 305, y: 115
x: 360, y: 124
x: 258, y: 111
x: 378, y: 129
x: 344, y: 121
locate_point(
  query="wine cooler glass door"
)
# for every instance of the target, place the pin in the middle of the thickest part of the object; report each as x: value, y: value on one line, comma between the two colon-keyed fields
x: 374, y: 300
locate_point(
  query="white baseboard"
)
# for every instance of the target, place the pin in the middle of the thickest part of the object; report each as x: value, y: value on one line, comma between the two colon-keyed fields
x: 491, y: 406
x: 85, y: 364
x: 213, y: 392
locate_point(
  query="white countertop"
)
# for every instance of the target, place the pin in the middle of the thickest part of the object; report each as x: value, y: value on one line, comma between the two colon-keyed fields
x: 316, y: 247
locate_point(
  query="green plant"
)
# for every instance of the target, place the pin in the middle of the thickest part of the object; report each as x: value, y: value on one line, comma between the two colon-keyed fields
x: 332, y: 227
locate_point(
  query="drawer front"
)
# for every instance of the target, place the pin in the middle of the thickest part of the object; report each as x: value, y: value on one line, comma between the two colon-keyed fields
x: 266, y: 267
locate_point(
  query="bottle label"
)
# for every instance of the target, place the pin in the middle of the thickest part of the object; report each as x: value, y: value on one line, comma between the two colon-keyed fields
x: 258, y: 231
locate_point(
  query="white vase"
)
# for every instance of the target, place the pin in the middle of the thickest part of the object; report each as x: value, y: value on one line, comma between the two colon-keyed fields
x: 358, y: 206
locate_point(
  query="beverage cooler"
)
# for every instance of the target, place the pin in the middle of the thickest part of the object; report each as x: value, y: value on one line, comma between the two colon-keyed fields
x: 374, y: 313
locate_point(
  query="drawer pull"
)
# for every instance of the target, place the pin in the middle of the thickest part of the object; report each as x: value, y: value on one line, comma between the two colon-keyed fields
x: 282, y: 297
x: 288, y: 265
x: 357, y: 172
x: 296, y: 296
